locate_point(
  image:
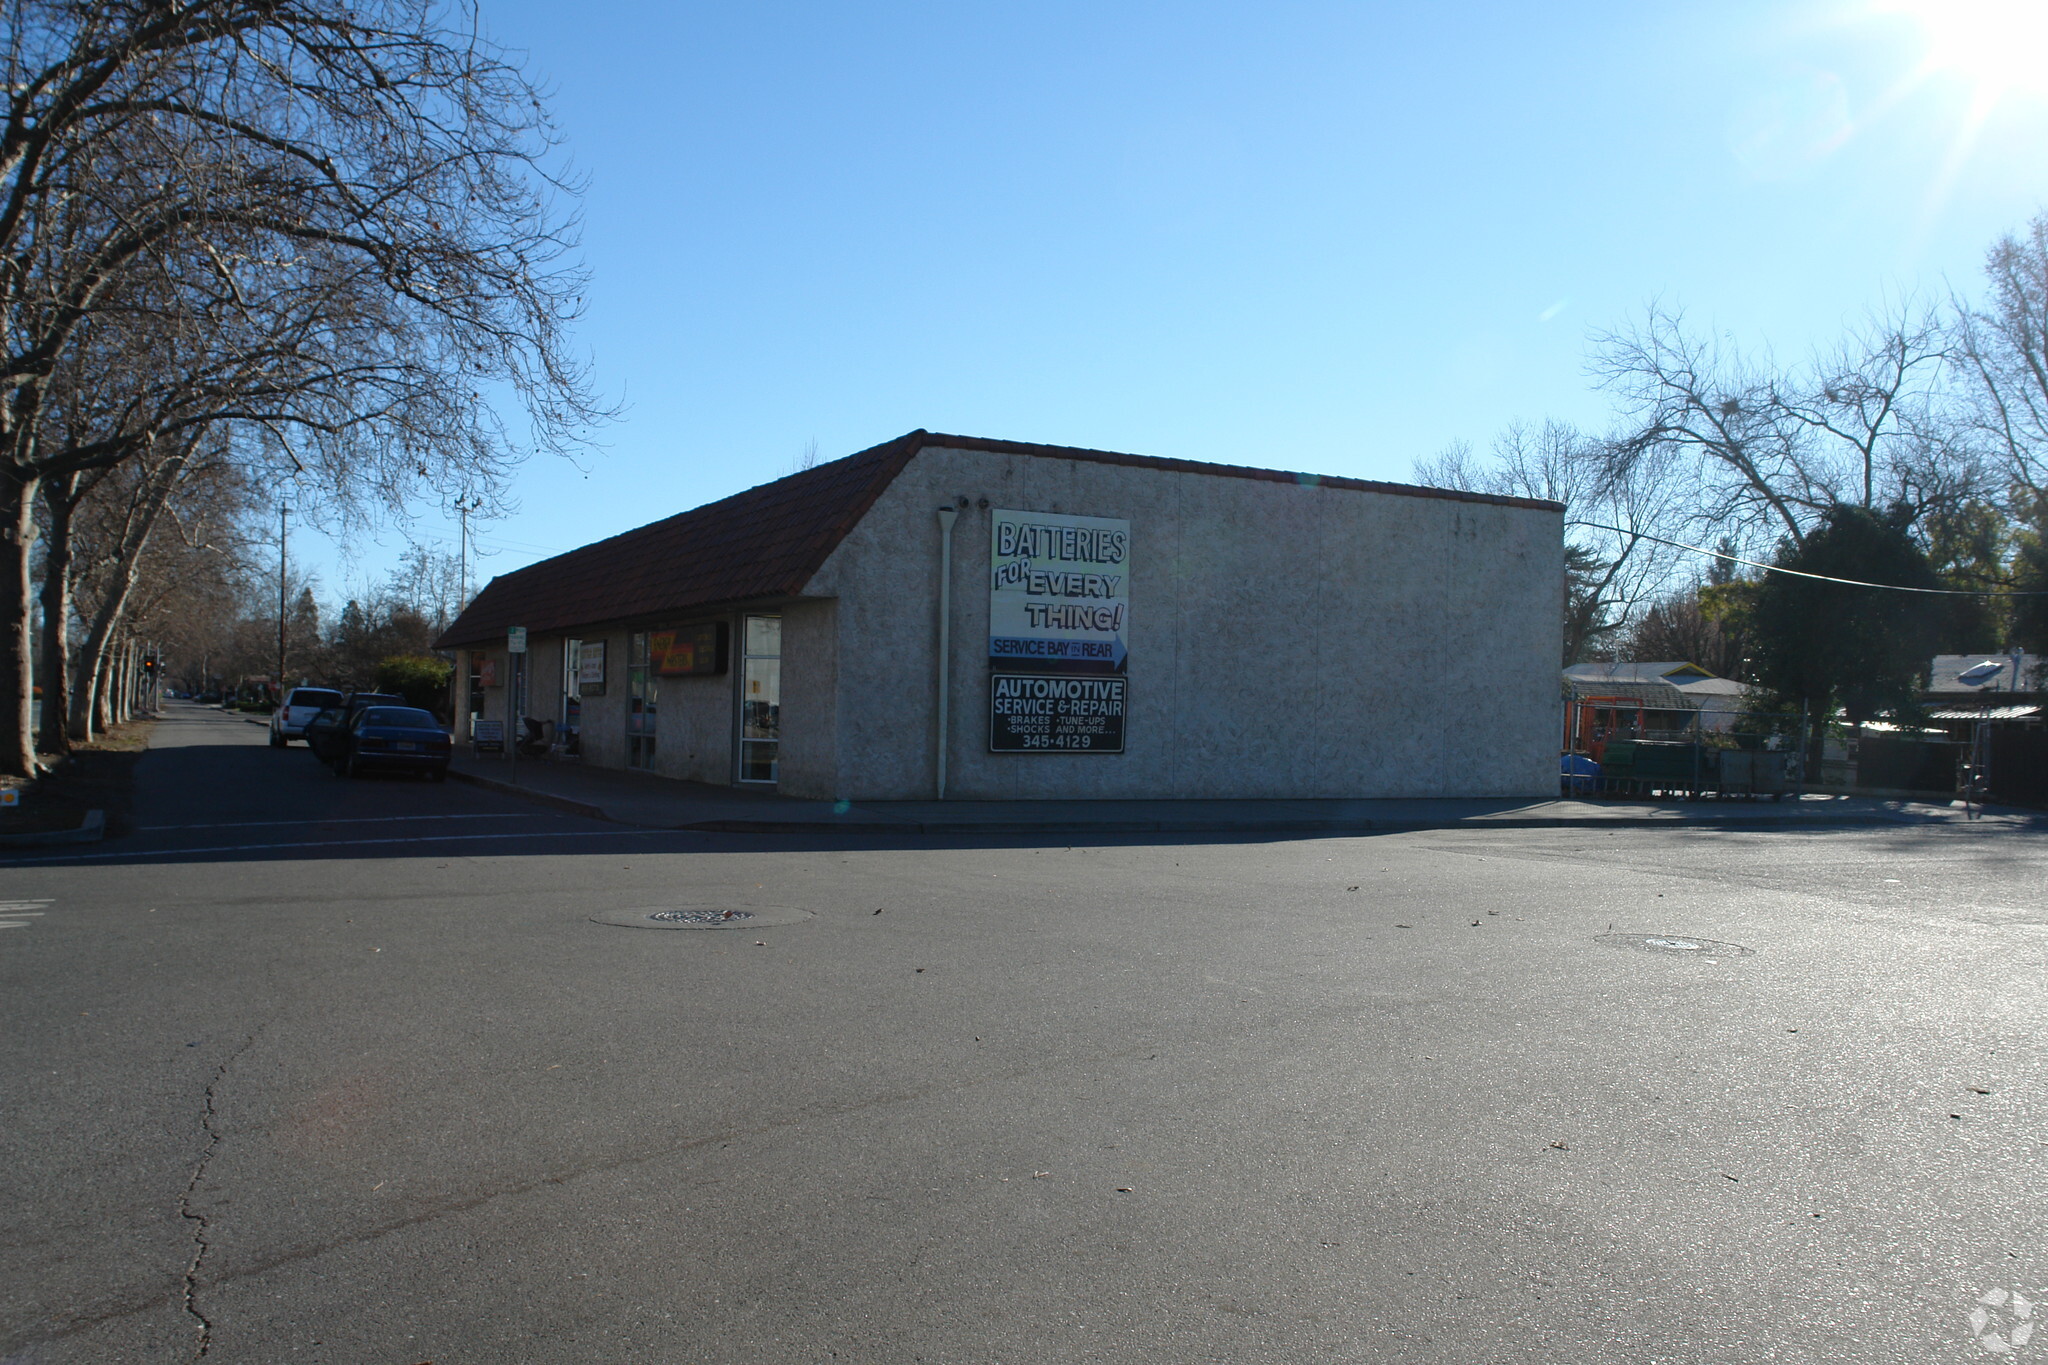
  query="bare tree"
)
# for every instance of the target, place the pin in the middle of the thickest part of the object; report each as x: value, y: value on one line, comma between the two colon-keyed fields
x: 427, y: 582
x: 1617, y: 516
x: 1879, y: 420
x: 1769, y: 451
x: 1680, y: 626
x: 2004, y: 350
x: 1699, y: 402
x: 160, y: 530
x: 237, y: 162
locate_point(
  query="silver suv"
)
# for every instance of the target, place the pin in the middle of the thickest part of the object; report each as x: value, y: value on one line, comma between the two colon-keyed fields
x: 301, y: 704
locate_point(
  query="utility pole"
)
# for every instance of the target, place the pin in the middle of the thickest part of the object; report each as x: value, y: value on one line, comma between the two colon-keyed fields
x: 282, y: 510
x: 463, y: 507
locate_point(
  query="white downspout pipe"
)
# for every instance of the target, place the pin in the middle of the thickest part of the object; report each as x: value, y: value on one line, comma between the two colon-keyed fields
x: 946, y: 515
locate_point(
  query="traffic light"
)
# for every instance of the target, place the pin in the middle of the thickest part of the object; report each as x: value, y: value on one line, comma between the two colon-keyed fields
x: 149, y: 665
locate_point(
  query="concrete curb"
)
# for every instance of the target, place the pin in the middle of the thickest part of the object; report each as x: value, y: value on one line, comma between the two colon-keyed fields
x: 1011, y: 828
x: 561, y: 803
x: 91, y: 831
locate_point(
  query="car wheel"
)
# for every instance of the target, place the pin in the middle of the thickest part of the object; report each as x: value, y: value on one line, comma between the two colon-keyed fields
x: 439, y: 774
x: 277, y: 741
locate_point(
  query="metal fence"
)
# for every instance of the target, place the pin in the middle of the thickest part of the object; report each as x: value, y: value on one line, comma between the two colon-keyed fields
x: 1623, y: 750
x: 1692, y: 767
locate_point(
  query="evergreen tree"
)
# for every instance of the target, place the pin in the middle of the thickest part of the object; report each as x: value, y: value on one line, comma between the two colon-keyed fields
x: 1862, y: 649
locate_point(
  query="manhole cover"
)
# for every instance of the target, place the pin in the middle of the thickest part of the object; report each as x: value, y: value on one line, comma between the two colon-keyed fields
x: 1683, y: 945
x: 701, y: 916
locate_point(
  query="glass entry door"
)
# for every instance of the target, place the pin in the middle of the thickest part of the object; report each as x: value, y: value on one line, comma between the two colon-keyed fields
x: 643, y: 697
x: 760, y: 698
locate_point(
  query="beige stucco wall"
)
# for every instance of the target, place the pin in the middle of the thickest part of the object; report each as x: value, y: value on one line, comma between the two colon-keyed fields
x: 693, y: 720
x: 1287, y: 640
x: 809, y: 757
x: 698, y: 725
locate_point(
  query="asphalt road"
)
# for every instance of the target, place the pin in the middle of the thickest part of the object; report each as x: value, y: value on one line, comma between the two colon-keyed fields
x: 313, y: 1070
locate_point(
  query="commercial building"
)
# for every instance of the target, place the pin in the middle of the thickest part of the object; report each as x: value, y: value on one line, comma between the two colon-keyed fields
x: 979, y: 619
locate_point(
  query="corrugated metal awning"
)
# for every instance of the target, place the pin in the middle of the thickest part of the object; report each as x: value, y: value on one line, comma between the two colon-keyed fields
x: 1987, y: 713
x: 1657, y: 696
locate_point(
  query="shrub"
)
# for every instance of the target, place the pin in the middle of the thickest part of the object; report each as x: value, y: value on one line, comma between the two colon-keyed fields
x: 421, y: 679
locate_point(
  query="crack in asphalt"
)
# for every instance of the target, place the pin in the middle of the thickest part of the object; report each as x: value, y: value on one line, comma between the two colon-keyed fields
x: 437, y: 1210
x: 201, y: 1224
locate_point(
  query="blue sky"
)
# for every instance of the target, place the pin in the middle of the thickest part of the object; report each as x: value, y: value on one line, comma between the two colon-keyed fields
x: 1320, y: 236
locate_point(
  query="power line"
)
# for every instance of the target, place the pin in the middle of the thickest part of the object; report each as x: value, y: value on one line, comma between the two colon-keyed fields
x: 1801, y: 573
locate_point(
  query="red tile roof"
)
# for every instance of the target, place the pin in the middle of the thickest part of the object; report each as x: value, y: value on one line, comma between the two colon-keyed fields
x: 764, y: 543
x: 768, y: 542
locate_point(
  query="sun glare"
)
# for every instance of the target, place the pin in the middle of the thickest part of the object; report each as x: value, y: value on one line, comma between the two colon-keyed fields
x: 1996, y: 45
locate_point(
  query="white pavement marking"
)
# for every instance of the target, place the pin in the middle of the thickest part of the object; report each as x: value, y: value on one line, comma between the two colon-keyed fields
x: 351, y: 820
x: 339, y: 843
x: 17, y: 914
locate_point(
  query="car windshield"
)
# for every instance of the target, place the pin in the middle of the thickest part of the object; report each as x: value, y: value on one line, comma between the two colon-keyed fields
x: 307, y: 696
x: 406, y: 716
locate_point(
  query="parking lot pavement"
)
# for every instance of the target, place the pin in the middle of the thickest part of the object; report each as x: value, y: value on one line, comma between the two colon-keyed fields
x: 211, y: 786
x: 1442, y: 1096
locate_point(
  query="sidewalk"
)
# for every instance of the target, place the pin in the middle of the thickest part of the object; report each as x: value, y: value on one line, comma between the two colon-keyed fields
x: 641, y: 799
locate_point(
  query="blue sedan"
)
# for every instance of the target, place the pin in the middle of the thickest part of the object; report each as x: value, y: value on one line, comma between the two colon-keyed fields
x: 396, y: 739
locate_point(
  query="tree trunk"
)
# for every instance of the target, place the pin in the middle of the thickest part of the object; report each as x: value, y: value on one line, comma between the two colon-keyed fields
x: 96, y: 647
x: 17, y: 651
x: 84, y: 713
x: 103, y: 693
x: 126, y: 690
x: 90, y: 667
x: 61, y: 497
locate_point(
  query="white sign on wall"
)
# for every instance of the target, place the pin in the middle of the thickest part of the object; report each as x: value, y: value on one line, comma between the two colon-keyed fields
x: 590, y: 668
x: 1059, y: 591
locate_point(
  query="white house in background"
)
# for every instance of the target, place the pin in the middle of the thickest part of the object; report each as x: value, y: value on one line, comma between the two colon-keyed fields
x: 1717, y: 700
x: 1970, y: 687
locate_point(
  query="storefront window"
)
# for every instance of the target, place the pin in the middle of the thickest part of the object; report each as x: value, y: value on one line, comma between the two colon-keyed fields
x: 643, y: 695
x: 761, y: 699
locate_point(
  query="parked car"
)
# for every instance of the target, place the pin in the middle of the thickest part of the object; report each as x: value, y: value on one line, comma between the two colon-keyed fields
x: 288, y: 722
x: 327, y: 732
x: 395, y: 739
